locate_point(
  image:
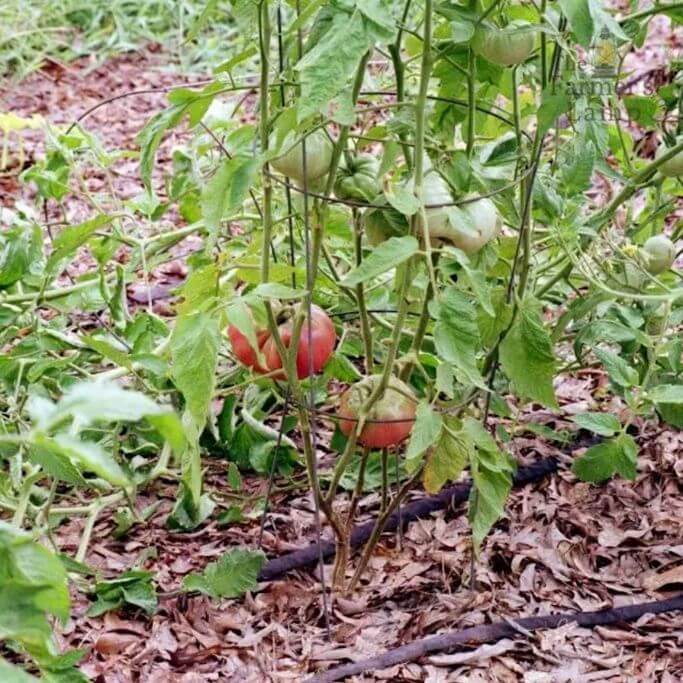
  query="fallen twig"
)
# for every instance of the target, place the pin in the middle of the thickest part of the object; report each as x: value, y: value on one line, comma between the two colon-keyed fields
x: 492, y: 632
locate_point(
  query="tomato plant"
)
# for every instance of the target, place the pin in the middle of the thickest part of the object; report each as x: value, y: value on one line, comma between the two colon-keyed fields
x: 460, y: 205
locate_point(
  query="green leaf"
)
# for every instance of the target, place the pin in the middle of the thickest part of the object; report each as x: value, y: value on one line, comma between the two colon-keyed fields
x: 133, y: 587
x: 456, y: 335
x: 33, y: 583
x: 237, y: 59
x: 194, y: 352
x: 641, y: 109
x: 616, y: 456
x: 578, y: 170
x: 325, y: 71
x: 526, y: 356
x: 403, y: 199
x: 619, y: 371
x: 227, y: 190
x: 552, y: 106
x: 598, y: 423
x: 274, y: 290
x: 12, y: 674
x: 107, y: 350
x: 20, y: 248
x: 446, y: 461
x: 477, y: 281
x: 150, y: 138
x: 56, y: 463
x: 384, y: 257
x: 231, y: 576
x: 94, y: 401
x: 72, y: 237
x: 491, y: 482
x: 666, y: 393
x: 426, y: 432
x: 199, y: 289
x: 87, y: 456
x: 579, y: 16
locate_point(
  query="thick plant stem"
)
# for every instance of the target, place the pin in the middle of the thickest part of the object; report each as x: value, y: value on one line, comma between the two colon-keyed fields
x: 385, y: 479
x: 379, y: 527
x: 87, y: 531
x: 421, y: 329
x: 344, y: 545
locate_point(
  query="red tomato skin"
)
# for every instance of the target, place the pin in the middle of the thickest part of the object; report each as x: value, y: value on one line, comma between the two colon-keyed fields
x: 323, y: 337
x: 244, y: 351
x: 376, y: 434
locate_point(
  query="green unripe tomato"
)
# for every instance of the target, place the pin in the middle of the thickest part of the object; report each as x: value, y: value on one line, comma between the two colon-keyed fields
x: 357, y: 178
x: 318, y: 158
x: 660, y: 253
x: 480, y: 220
x: 673, y: 168
x: 480, y: 224
x: 505, y: 46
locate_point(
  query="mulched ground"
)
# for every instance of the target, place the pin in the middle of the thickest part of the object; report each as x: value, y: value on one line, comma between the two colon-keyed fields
x: 564, y: 545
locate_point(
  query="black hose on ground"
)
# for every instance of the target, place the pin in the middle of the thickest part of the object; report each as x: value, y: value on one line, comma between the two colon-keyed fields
x: 488, y: 633
x: 418, y: 509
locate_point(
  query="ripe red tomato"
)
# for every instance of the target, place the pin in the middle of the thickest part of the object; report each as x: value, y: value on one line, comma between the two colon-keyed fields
x: 391, y: 418
x: 322, y: 336
x: 244, y: 351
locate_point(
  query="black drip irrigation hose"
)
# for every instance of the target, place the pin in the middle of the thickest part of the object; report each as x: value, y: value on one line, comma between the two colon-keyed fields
x: 418, y: 509
x: 488, y: 633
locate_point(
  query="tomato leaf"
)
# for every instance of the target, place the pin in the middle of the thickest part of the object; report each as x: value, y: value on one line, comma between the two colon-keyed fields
x: 426, y: 432
x: 227, y: 190
x: 85, y: 456
x: 598, y: 423
x: 231, y: 576
x: 456, y: 335
x: 491, y: 472
x: 666, y: 393
x: 384, y: 257
x: 20, y: 248
x: 72, y: 237
x: 616, y: 456
x: 326, y: 70
x: 446, y: 460
x: 552, y: 106
x: 274, y: 290
x: 526, y: 356
x: 403, y: 199
x: 619, y: 371
x: 194, y: 353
